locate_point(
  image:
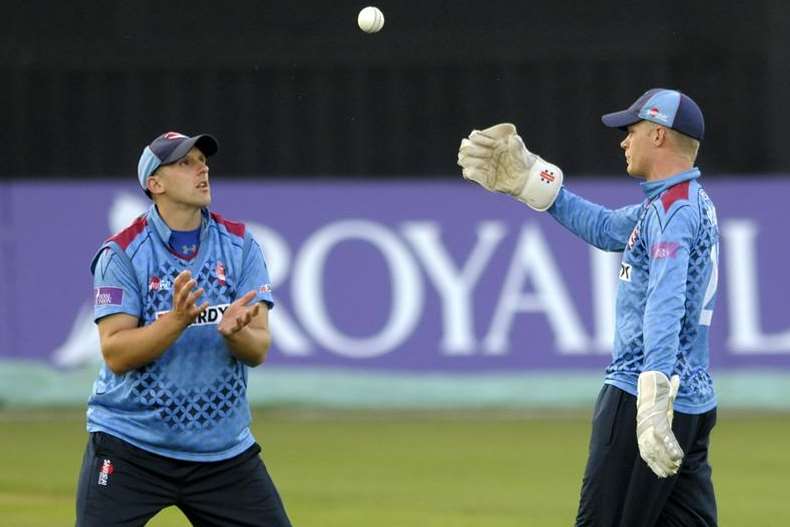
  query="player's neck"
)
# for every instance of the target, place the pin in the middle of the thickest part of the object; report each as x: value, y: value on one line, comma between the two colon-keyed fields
x: 667, y: 168
x: 179, y: 217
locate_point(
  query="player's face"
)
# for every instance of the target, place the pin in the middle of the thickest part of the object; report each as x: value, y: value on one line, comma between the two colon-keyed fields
x: 185, y: 182
x: 638, y: 147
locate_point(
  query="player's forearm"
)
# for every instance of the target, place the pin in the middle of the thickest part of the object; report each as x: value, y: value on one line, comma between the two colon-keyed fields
x: 662, y: 325
x: 250, y: 345
x: 599, y: 226
x: 129, y: 349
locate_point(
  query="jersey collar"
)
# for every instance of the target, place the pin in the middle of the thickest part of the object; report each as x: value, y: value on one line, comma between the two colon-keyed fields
x: 164, y: 232
x: 653, y: 188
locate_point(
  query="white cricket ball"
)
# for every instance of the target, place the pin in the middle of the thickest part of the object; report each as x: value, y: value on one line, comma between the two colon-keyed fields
x: 370, y: 19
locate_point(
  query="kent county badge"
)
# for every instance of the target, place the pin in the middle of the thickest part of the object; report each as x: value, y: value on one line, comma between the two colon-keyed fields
x: 633, y: 237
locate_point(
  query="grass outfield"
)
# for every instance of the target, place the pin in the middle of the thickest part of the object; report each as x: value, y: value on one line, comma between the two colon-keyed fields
x: 355, y: 469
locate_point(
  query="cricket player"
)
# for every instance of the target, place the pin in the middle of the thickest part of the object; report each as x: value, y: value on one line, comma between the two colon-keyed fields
x: 648, y: 455
x: 181, y: 302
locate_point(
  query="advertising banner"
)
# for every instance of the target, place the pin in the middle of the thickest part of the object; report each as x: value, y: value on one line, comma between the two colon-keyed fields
x: 400, y: 276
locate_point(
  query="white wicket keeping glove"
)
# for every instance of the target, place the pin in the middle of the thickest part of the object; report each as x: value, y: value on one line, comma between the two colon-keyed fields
x: 657, y: 443
x: 497, y: 159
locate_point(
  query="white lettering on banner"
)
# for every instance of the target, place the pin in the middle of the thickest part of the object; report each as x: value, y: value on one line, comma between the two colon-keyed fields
x: 285, y: 332
x: 746, y: 335
x: 302, y: 327
x: 310, y: 305
x: 532, y: 258
x: 455, y: 286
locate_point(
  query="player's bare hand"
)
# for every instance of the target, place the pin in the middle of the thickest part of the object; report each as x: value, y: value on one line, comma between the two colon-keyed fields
x: 239, y: 315
x: 185, y: 308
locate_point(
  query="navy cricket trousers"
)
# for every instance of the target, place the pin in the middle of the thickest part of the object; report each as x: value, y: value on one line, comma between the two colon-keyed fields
x: 620, y: 490
x: 122, y: 485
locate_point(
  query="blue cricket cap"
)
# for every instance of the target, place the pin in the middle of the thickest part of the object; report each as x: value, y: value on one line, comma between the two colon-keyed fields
x: 169, y: 148
x: 669, y: 108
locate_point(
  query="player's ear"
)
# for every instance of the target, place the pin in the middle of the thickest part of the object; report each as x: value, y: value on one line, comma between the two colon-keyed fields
x: 154, y: 184
x: 659, y: 135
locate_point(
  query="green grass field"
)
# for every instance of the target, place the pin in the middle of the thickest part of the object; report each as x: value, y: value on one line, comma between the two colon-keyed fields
x: 445, y: 469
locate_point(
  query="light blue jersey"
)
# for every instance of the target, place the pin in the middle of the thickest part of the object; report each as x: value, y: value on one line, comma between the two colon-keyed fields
x: 191, y: 402
x: 667, y: 287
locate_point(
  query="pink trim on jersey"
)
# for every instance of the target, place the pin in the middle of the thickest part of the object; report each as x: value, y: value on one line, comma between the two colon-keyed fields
x: 127, y: 236
x: 678, y: 192
x: 234, y: 227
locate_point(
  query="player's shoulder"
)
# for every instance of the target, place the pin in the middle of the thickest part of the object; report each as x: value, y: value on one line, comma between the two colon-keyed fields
x: 676, y: 196
x: 676, y: 204
x: 130, y: 235
x: 233, y: 228
x: 127, y: 241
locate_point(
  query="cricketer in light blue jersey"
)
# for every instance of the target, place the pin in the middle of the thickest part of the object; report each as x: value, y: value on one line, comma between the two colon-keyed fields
x: 182, y: 299
x: 191, y: 402
x: 667, y: 288
x: 648, y: 456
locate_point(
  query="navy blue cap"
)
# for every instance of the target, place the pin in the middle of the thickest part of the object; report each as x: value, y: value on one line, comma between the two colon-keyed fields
x: 169, y: 148
x: 669, y: 108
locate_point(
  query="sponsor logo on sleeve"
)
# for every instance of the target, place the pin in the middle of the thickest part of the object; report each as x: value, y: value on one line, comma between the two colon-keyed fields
x: 664, y: 250
x: 265, y: 289
x: 108, y: 296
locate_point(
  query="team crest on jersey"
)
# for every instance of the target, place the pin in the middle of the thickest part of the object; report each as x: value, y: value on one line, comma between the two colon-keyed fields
x: 219, y: 270
x: 634, y: 236
x: 105, y: 471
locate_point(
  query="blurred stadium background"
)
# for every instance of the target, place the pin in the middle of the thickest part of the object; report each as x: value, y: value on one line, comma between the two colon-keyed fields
x: 437, y: 349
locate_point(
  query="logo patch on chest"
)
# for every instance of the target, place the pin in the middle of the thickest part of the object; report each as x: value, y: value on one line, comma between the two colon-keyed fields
x: 625, y: 272
x: 211, y: 316
x: 159, y: 284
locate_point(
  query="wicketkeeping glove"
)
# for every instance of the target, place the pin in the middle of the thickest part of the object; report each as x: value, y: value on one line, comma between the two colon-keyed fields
x: 497, y: 159
x: 657, y: 444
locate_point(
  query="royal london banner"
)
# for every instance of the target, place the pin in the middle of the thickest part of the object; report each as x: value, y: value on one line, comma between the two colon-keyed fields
x: 425, y: 277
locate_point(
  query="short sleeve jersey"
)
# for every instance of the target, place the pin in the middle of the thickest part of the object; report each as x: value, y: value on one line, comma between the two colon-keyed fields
x: 191, y: 402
